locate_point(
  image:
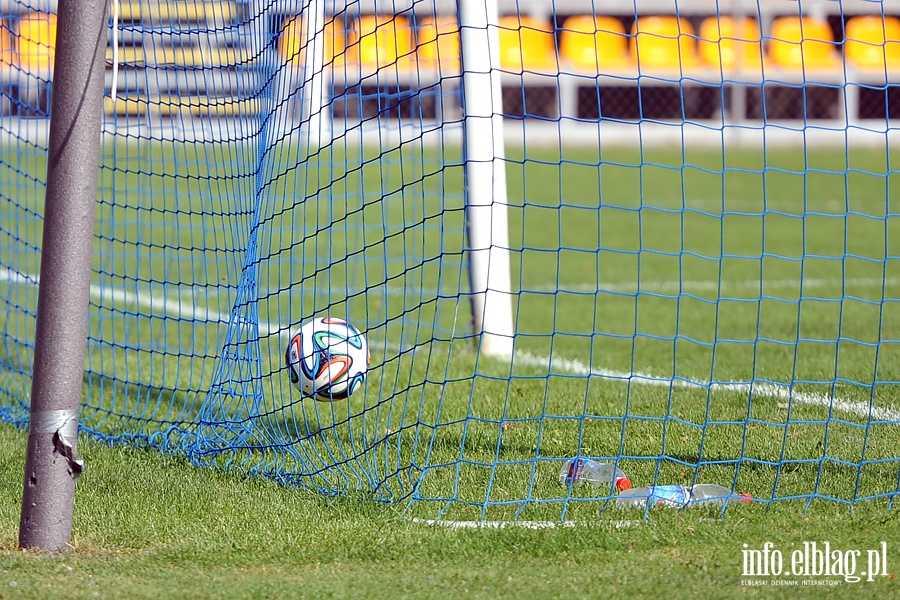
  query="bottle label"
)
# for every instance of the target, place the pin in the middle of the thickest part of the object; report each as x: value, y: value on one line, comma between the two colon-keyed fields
x: 576, y: 470
x: 669, y: 495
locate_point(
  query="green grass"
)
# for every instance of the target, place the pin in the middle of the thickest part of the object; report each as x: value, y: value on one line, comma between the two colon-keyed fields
x: 778, y: 268
x: 148, y: 526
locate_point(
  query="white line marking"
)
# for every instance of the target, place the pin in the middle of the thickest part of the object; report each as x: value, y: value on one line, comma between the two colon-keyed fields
x: 182, y: 307
x: 632, y: 287
x: 522, y: 524
x: 769, y: 390
x: 757, y: 286
x: 8, y: 275
x: 714, y: 285
x: 552, y: 364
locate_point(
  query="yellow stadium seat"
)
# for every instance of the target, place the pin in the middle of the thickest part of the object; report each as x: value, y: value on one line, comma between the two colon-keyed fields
x: 873, y: 42
x: 664, y: 42
x: 187, y: 56
x: 527, y: 44
x: 727, y: 43
x: 177, y: 106
x: 380, y: 40
x: 803, y: 43
x: 6, y: 47
x: 127, y: 106
x: 36, y: 35
x: 439, y: 43
x: 216, y: 107
x: 160, y: 11
x: 594, y: 43
x: 292, y: 42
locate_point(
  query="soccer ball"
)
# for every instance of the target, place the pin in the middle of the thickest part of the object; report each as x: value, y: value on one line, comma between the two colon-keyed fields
x: 327, y: 358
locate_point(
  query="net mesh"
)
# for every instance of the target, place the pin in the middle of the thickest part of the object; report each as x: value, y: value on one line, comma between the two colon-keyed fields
x: 703, y: 248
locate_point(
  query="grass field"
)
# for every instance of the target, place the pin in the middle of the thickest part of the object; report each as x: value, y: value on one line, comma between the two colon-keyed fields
x: 712, y: 316
x: 148, y: 526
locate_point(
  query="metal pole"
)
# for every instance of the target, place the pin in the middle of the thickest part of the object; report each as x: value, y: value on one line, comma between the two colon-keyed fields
x: 64, y: 295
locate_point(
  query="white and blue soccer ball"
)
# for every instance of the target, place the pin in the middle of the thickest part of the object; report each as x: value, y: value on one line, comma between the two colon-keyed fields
x: 327, y: 358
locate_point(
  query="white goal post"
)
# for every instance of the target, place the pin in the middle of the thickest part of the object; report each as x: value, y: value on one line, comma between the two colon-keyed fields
x: 486, y: 195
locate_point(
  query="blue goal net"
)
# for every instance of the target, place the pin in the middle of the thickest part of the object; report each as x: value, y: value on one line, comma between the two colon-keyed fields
x: 664, y: 240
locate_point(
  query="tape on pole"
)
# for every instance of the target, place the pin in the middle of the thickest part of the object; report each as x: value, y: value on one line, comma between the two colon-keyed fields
x: 64, y: 422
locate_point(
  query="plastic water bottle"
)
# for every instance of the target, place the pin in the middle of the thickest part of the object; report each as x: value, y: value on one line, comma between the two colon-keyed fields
x: 710, y: 492
x: 678, y: 495
x: 586, y: 470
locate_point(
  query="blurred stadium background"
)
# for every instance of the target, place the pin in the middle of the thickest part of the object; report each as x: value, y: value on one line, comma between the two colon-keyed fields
x: 568, y: 61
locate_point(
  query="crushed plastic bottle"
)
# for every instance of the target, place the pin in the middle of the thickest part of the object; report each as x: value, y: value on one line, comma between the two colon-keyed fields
x: 711, y: 492
x: 586, y: 470
x: 678, y: 495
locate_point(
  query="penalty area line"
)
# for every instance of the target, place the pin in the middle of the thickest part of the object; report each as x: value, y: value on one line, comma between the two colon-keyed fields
x: 188, y: 310
x: 769, y: 390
